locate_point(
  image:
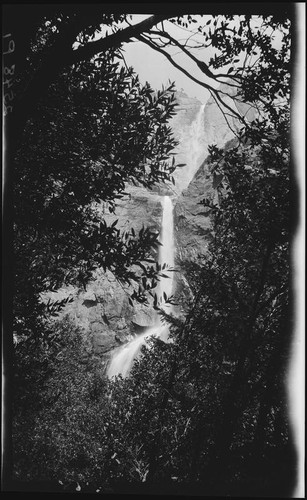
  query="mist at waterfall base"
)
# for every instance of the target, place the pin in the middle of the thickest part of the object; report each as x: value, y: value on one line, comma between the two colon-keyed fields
x: 123, y: 358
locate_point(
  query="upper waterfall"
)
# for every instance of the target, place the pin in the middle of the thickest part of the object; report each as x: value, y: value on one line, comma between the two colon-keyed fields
x: 167, y: 250
x: 192, y: 149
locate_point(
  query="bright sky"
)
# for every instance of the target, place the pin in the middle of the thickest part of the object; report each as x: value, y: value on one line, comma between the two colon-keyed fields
x: 153, y: 67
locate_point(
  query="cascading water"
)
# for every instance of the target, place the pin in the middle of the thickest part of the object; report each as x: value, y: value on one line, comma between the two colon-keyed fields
x: 124, y: 356
x: 196, y: 142
x: 167, y: 251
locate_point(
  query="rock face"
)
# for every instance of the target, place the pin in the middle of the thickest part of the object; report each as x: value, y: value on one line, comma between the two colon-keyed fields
x: 103, y: 310
x: 196, y: 126
x: 192, y: 223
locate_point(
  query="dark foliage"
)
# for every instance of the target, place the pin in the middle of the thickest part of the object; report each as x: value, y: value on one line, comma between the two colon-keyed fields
x: 97, y: 129
x: 210, y: 409
x: 207, y: 413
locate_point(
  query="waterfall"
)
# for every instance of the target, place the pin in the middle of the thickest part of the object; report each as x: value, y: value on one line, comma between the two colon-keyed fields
x: 196, y: 142
x: 167, y: 250
x: 123, y: 357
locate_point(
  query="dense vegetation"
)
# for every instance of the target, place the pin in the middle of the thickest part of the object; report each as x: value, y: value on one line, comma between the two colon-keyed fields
x: 206, y: 413
x: 96, y: 130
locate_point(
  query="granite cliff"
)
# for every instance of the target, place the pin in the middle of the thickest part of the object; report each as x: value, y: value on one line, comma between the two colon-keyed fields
x: 103, y: 310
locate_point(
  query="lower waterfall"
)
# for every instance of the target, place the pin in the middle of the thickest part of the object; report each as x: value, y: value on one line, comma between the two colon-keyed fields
x: 123, y: 357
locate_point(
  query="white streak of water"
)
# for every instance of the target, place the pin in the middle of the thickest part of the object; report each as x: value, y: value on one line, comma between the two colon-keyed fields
x: 196, y: 153
x: 123, y: 357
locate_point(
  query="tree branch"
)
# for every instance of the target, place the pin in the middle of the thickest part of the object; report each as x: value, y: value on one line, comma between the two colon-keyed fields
x: 185, y: 72
x: 60, y: 55
x: 201, y: 64
x: 116, y: 39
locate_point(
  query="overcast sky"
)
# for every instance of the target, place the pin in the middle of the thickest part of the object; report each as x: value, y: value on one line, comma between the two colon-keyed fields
x: 153, y: 67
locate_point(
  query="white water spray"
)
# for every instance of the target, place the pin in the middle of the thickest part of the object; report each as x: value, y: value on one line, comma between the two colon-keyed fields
x: 196, y: 141
x: 167, y: 251
x: 125, y: 355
